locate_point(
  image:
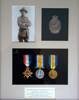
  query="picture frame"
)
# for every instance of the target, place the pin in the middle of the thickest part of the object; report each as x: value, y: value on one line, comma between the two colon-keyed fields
x: 23, y: 23
x: 55, y: 22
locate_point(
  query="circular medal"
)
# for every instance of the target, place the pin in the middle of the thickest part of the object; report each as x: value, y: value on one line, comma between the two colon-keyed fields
x: 53, y: 74
x: 39, y: 74
x: 55, y: 25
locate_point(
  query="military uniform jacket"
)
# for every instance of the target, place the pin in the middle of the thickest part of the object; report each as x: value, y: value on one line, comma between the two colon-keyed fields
x: 23, y: 22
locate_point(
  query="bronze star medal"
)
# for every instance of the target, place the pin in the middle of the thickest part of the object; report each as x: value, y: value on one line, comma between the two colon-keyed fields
x: 27, y: 73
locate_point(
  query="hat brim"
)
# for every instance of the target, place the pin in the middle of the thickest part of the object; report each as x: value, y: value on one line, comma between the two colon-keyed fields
x: 22, y: 10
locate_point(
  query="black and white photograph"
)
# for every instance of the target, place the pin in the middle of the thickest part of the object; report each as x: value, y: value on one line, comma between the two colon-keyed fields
x: 23, y: 23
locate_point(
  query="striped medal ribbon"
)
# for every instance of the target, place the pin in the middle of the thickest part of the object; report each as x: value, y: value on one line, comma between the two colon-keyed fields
x: 53, y: 62
x: 27, y: 61
x: 39, y: 65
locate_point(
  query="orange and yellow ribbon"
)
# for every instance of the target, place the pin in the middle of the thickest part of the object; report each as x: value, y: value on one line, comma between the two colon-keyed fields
x: 39, y: 61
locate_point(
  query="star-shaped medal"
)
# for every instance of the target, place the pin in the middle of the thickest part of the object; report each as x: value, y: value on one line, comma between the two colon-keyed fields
x: 27, y: 73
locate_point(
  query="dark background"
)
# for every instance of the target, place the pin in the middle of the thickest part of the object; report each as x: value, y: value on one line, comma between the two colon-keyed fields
x: 19, y: 67
x: 62, y: 14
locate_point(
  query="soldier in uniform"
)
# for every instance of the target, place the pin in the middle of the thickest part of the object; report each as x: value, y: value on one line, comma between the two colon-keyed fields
x: 24, y: 24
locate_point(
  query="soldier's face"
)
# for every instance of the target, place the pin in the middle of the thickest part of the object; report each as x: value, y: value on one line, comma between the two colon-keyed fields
x: 23, y: 13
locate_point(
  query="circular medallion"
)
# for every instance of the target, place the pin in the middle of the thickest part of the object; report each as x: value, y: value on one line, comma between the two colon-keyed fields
x: 39, y: 74
x: 55, y: 25
x: 53, y: 74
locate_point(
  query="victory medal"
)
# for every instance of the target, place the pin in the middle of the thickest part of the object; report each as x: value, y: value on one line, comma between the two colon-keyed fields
x: 53, y: 63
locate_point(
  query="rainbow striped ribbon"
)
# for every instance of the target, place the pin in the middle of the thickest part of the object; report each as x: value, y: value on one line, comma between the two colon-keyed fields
x: 26, y: 60
x: 53, y: 61
x: 39, y: 61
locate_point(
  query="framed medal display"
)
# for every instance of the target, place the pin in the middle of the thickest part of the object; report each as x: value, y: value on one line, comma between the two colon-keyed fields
x: 40, y: 66
x: 39, y: 49
x: 55, y: 24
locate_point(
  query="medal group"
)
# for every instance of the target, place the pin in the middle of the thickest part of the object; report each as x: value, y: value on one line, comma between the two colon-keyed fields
x: 41, y: 65
x: 39, y: 74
